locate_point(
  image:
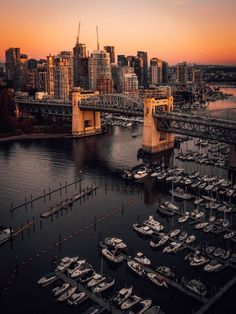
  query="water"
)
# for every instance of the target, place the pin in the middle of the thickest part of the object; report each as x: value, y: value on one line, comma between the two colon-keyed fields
x: 30, y: 167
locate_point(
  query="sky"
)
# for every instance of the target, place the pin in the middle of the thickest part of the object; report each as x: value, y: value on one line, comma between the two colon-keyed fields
x: 200, y: 31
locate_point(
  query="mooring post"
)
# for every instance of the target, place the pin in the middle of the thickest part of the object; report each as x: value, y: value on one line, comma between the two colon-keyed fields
x: 60, y: 188
x: 66, y: 187
x: 31, y: 203
x: 49, y: 192
x: 44, y: 192
x: 25, y: 203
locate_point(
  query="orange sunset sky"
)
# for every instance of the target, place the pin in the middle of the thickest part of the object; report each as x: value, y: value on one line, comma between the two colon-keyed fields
x: 201, y: 31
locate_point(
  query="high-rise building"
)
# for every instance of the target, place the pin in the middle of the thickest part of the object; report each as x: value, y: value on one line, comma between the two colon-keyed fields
x: 80, y: 66
x: 111, y: 51
x: 165, y: 72
x: 127, y: 80
x: 122, y: 61
x: 135, y: 63
x: 184, y: 72
x: 50, y: 75
x: 155, y: 71
x: 143, y: 75
x: 100, y: 72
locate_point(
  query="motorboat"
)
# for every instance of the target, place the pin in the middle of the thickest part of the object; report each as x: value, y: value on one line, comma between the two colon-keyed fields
x: 75, y: 265
x: 129, y: 302
x: 59, y: 290
x: 5, y: 234
x: 141, y: 173
x: 121, y: 295
x: 163, y: 238
x: 136, y: 267
x: 153, y: 310
x: 141, y: 307
x: 166, y: 271
x: 194, y: 175
x: 198, y: 260
x: 142, y: 259
x: 153, y: 224
x: 165, y: 211
x: 218, y: 251
x: 196, y: 286
x: 184, y: 218
x: 77, y: 298
x: 47, y: 279
x: 213, y: 265
x: 172, y: 248
x: 229, y: 235
x: 93, y: 309
x: 198, y: 201
x: 157, y: 279
x: 116, y: 242
x: 190, y: 239
x: 180, y: 194
x: 82, y: 270
x: 209, y: 249
x: 97, y: 278
x: 208, y: 228
x: 225, y: 254
x: 201, y: 225
x: 182, y: 236
x: 104, y: 285
x: 65, y: 296
x: 171, y: 206
x: 66, y: 262
x: 212, y: 218
x: 174, y: 233
x: 84, y: 278
x: 197, y: 214
x: 143, y: 229
x: 113, y: 256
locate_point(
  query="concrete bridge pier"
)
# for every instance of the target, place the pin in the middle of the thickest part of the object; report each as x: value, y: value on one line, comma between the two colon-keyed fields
x: 155, y: 141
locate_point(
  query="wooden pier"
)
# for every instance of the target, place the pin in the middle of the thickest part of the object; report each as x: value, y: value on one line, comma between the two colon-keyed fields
x: 68, y: 202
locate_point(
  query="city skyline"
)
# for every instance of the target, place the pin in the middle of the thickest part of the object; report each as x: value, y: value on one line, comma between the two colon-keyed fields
x: 173, y: 30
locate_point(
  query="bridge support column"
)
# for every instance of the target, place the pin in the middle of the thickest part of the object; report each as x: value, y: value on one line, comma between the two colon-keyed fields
x: 155, y: 141
x: 84, y: 123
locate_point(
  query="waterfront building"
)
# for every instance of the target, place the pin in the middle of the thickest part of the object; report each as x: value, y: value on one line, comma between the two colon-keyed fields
x: 80, y: 66
x: 143, y: 73
x: 122, y: 60
x: 156, y: 71
x: 184, y: 72
x: 127, y: 80
x: 165, y: 72
x: 111, y: 51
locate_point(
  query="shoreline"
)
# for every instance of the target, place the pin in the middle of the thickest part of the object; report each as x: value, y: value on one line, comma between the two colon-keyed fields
x: 34, y: 136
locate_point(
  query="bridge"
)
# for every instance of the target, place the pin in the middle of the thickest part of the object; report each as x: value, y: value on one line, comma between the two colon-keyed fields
x: 160, y: 121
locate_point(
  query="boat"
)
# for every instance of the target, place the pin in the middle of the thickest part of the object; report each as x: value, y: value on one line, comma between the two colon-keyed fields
x: 180, y: 194
x: 194, y: 175
x: 225, y: 254
x: 136, y: 267
x: 113, y: 256
x: 163, y: 238
x: 157, y: 279
x: 142, y: 259
x: 75, y: 265
x: 174, y: 233
x: 97, y: 278
x: 134, y: 134
x: 121, y: 295
x: 172, y: 248
x: 197, y: 214
x: 208, y: 228
x: 104, y: 285
x: 5, y: 234
x: 229, y: 235
x: 59, y: 290
x: 116, y: 242
x: 171, y: 206
x: 47, y: 279
x: 93, y: 309
x: 190, y: 239
x: 212, y: 266
x: 209, y: 249
x: 141, y: 307
x: 218, y: 251
x: 165, y: 211
x: 198, y: 260
x: 65, y: 296
x: 196, y: 286
x: 84, y: 278
x: 182, y: 236
x: 82, y: 270
x: 77, y: 298
x: 201, y: 225
x: 153, y: 310
x: 183, y: 218
x: 164, y: 270
x: 141, y: 173
x: 153, y: 224
x: 66, y: 262
x: 129, y: 302
x: 143, y: 229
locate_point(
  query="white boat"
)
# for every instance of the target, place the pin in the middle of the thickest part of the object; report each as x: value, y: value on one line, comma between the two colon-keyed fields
x: 122, y: 295
x: 171, y: 206
x: 196, y: 286
x: 59, y: 290
x: 143, y: 229
x: 182, y: 236
x: 103, y: 286
x: 129, y: 302
x: 112, y: 256
x: 212, y: 266
x: 184, y: 218
x: 5, y: 234
x: 173, y: 247
x: 180, y: 194
x: 198, y: 260
x: 66, y: 262
x: 83, y: 269
x: 77, y: 298
x: 141, y: 307
x: 174, y: 233
x: 229, y: 235
x: 157, y: 279
x: 47, y: 279
x: 164, y: 270
x: 190, y: 239
x: 153, y: 224
x: 208, y: 228
x: 141, y: 173
x: 97, y: 278
x: 142, y: 259
x: 136, y: 267
x: 116, y: 242
x: 67, y: 294
x: 201, y: 225
x: 163, y: 238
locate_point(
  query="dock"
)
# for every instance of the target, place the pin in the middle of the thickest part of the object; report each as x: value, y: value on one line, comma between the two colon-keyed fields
x: 68, y: 202
x: 23, y: 228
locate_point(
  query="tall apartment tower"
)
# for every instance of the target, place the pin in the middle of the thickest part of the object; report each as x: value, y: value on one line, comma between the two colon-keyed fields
x: 127, y: 80
x: 143, y: 75
x: 100, y: 72
x: 50, y: 75
x: 80, y: 66
x: 155, y: 71
x: 111, y: 51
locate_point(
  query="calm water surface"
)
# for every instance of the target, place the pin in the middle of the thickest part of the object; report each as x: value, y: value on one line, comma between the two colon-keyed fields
x: 30, y: 167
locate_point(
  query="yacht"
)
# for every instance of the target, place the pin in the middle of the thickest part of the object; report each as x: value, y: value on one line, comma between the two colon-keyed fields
x: 77, y: 298
x: 209, y: 249
x: 47, y: 279
x: 183, y: 218
x: 142, y: 259
x: 153, y: 224
x: 213, y: 265
x: 141, y: 173
x: 225, y: 254
x: 171, y: 206
x: 174, y: 233
x: 97, y: 278
x: 141, y: 307
x: 182, y: 236
x: 153, y: 310
x: 143, y: 229
x: 229, y: 235
x: 201, y: 225
x: 198, y: 260
x: 173, y: 247
x: 83, y: 269
x: 5, y: 234
x: 122, y: 295
x: 103, y: 286
x: 75, y: 265
x: 180, y: 194
x: 59, y: 290
x: 190, y: 239
x: 136, y: 267
x: 165, y: 211
x: 163, y: 238
x: 164, y: 270
x: 129, y: 302
x: 196, y: 286
x: 194, y: 175
x: 208, y: 228
x: 66, y: 262
x: 218, y: 251
x: 157, y: 279
x: 116, y: 242
x: 84, y: 278
x: 112, y: 256
x: 65, y: 296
